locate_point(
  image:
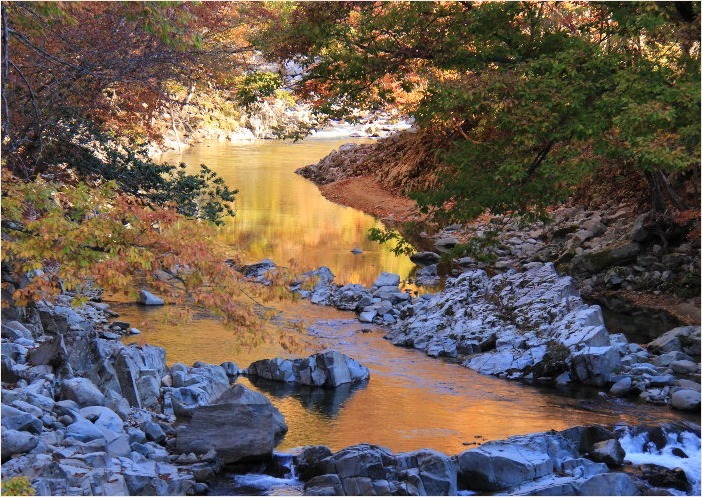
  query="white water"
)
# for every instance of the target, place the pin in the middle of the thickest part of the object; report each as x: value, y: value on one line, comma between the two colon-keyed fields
x: 639, y: 450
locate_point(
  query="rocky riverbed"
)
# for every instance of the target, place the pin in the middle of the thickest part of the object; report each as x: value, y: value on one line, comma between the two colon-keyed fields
x: 84, y: 414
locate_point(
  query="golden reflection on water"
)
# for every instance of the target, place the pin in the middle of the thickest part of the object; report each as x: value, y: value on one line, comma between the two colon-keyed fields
x: 282, y: 216
x: 411, y: 401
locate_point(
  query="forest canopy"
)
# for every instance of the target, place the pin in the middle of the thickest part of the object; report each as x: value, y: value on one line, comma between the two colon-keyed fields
x: 532, y: 96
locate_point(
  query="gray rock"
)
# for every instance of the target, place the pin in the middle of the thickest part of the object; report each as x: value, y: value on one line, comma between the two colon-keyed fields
x: 16, y: 442
x: 104, y: 418
x: 154, y: 431
x: 684, y: 367
x: 622, y: 387
x: 672, y: 340
x: 84, y: 431
x: 348, y: 296
x: 14, y: 330
x: 324, y: 485
x: 499, y: 465
x: 236, y: 431
x: 328, y: 369
x: 609, y: 452
x: 427, y: 276
x: 15, y: 419
x: 82, y: 391
x: 686, y: 400
x: 594, y: 365
x: 436, y: 471
x: 148, y: 298
x: 608, y: 484
x: 367, y: 316
x: 387, y: 279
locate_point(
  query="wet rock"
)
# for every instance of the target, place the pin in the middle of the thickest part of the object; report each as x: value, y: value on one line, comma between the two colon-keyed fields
x: 324, y: 485
x: 307, y: 461
x: 609, y: 452
x: 660, y: 476
x: 148, y: 298
x: 327, y: 369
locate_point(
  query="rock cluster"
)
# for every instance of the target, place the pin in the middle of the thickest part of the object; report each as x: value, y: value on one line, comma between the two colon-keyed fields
x: 608, y: 249
x: 83, y: 414
x: 326, y: 369
x: 576, y: 461
x: 530, y: 325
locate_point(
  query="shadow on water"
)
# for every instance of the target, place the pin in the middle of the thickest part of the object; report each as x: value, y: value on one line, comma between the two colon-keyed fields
x: 325, y: 401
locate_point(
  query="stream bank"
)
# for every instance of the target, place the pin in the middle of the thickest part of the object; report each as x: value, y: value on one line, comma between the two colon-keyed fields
x: 84, y: 414
x: 611, y: 249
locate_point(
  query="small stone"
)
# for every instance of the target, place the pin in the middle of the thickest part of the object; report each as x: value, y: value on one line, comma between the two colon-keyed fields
x: 356, y: 251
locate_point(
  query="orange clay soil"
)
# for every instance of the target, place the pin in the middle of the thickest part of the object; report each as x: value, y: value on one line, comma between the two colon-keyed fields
x: 365, y: 194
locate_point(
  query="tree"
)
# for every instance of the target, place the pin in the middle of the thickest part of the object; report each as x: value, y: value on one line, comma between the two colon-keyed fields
x: 83, y: 100
x: 59, y: 237
x: 532, y: 97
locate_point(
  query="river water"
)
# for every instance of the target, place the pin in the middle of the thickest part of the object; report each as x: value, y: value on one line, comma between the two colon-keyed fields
x: 411, y: 401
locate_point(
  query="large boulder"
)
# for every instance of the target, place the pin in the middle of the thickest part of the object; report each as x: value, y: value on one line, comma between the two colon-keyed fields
x: 531, y: 324
x: 242, y: 426
x: 502, y: 464
x: 595, y: 365
x: 139, y: 369
x: 326, y: 369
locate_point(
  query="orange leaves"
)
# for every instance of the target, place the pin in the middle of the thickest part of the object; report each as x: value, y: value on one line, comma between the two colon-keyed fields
x: 75, y: 234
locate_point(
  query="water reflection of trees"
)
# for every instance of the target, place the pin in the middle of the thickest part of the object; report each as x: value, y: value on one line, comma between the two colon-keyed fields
x: 325, y: 401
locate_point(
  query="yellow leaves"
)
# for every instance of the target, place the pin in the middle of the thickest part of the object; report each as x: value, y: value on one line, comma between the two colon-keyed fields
x: 74, y: 234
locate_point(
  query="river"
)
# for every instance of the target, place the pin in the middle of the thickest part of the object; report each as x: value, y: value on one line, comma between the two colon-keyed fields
x: 412, y: 401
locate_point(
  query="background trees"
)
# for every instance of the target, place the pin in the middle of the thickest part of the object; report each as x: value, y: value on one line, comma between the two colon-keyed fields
x: 532, y: 97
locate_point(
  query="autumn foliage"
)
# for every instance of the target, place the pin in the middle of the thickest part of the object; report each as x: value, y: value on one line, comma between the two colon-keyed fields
x: 60, y: 237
